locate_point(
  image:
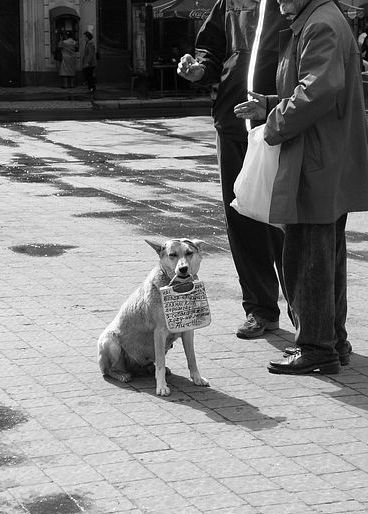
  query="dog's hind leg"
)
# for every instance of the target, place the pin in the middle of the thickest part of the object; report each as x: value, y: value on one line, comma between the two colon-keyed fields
x: 112, y: 359
x: 188, y: 343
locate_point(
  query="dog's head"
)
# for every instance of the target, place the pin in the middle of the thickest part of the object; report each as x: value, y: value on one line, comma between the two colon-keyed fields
x: 179, y: 257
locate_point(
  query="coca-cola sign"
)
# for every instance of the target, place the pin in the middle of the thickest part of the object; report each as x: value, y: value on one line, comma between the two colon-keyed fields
x: 199, y: 14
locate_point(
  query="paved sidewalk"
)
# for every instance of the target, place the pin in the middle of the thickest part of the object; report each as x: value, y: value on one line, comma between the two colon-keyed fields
x: 76, y: 202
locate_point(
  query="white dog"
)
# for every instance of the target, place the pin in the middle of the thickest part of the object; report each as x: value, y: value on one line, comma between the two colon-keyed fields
x: 138, y: 335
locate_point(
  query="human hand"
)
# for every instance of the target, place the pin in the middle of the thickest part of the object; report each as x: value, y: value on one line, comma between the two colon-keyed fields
x: 253, y: 109
x: 190, y: 69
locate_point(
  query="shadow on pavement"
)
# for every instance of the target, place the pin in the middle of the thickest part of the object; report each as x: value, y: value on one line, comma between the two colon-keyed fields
x: 352, y: 380
x: 217, y: 405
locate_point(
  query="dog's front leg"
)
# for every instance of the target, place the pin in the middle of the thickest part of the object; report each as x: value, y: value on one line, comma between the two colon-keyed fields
x: 159, y: 336
x: 188, y: 343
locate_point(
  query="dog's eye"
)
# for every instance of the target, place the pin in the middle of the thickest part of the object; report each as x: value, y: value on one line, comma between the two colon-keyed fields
x: 172, y: 255
x: 188, y: 253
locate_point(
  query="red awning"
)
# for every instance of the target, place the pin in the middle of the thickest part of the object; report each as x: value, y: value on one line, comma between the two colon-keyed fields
x: 195, y: 9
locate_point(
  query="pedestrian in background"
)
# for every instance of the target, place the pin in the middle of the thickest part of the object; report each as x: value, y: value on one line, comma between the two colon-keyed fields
x: 319, y: 112
x: 89, y: 61
x: 222, y: 55
x: 67, y: 69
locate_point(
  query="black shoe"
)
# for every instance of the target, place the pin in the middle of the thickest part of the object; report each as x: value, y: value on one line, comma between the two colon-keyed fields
x: 344, y: 350
x: 302, y: 364
x: 255, y: 326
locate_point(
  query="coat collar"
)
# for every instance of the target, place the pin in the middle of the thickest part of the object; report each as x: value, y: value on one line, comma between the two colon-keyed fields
x: 300, y: 20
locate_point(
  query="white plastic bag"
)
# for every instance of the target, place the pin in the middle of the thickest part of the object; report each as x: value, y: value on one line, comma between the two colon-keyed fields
x: 254, y: 185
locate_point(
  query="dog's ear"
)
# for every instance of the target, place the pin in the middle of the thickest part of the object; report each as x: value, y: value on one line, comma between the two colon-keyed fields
x: 198, y: 243
x: 156, y: 246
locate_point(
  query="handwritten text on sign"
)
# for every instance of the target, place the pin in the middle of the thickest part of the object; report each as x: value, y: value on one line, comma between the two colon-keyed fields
x: 186, y: 311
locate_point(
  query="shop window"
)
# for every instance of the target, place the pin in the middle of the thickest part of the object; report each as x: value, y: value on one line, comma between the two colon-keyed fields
x: 172, y: 38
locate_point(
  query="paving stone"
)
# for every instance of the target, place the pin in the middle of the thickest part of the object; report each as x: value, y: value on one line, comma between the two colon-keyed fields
x: 121, y: 472
x: 347, y: 506
x: 217, y: 501
x: 71, y: 475
x: 249, y: 484
x: 199, y: 487
x: 323, y: 463
x: 21, y: 475
x: 306, y: 482
x: 149, y: 487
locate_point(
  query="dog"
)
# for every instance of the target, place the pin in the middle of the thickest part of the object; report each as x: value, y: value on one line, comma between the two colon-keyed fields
x: 138, y: 336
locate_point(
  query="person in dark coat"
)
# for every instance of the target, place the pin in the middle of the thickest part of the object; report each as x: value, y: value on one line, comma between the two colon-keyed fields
x: 89, y: 61
x: 318, y: 118
x: 223, y: 50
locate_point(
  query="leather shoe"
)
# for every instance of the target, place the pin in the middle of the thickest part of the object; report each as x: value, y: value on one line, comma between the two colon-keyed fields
x: 302, y: 364
x: 344, y: 350
x: 255, y: 326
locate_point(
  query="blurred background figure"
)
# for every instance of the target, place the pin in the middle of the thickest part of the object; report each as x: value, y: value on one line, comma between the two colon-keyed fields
x: 89, y: 62
x: 67, y: 70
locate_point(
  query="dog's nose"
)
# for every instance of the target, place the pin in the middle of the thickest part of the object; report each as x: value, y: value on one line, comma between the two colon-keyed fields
x: 183, y: 269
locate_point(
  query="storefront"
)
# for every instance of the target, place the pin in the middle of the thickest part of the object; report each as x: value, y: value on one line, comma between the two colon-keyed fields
x: 132, y: 36
x: 174, y: 27
x: 30, y: 31
x: 136, y: 39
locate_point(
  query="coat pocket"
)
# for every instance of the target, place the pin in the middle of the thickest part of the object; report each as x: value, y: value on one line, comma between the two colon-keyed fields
x: 312, y: 159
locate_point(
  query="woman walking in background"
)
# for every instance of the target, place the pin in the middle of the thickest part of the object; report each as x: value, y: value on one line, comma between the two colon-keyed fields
x: 67, y: 68
x: 89, y: 62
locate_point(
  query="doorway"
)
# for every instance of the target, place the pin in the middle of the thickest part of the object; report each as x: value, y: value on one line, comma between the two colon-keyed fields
x: 10, y: 68
x: 63, y: 20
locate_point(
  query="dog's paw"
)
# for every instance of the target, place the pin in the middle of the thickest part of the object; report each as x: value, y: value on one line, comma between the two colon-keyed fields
x: 125, y: 377
x: 200, y: 381
x: 163, y: 390
x: 121, y: 377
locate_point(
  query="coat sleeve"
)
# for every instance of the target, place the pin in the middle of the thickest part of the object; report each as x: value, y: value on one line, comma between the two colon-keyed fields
x: 211, y: 44
x: 321, y: 76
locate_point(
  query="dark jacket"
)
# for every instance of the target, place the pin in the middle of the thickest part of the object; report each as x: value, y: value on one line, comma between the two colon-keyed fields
x: 224, y: 46
x: 89, y: 55
x: 319, y: 119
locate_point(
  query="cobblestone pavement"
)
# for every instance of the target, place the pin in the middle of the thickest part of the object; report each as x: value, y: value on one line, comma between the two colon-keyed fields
x: 77, y: 200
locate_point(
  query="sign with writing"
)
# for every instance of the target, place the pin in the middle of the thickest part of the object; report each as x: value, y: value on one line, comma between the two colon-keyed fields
x: 187, y: 310
x: 199, y: 14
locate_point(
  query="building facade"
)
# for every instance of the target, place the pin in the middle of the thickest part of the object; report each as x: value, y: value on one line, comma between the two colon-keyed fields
x: 30, y: 30
x: 141, y: 39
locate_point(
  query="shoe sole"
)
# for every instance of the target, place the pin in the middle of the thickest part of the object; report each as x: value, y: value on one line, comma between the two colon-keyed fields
x: 325, y: 369
x: 255, y: 335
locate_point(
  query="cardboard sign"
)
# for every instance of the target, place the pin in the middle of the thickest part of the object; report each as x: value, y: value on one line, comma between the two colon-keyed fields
x: 185, y: 310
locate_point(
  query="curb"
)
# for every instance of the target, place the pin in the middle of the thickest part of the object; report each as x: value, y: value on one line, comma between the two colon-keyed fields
x: 98, y: 109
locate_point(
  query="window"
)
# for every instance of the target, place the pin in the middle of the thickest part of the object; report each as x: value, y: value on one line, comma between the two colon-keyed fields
x: 113, y: 33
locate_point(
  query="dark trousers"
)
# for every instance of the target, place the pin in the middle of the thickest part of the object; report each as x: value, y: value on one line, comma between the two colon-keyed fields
x: 314, y: 261
x: 90, y: 77
x: 256, y: 247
